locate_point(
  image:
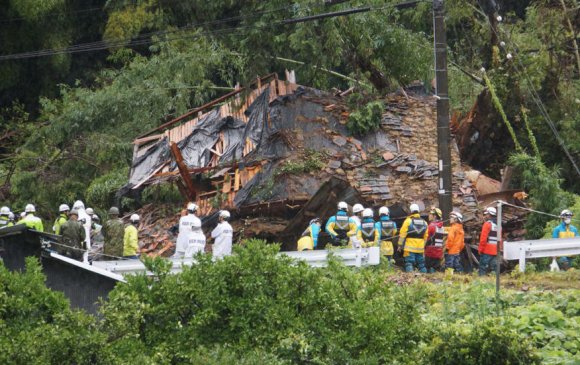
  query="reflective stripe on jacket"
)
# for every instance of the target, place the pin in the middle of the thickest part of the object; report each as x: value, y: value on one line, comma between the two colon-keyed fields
x: 488, y: 238
x: 564, y: 231
x: 368, y: 233
x: 413, y: 234
x: 341, y: 225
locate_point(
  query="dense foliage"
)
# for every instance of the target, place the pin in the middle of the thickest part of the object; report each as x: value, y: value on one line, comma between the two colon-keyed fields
x: 256, y: 307
x: 68, y: 118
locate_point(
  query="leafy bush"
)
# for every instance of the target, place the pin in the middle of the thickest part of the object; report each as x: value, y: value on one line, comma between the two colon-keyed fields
x: 366, y: 119
x: 488, y: 342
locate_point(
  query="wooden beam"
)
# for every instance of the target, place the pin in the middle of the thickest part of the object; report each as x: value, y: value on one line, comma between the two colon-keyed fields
x: 204, y: 106
x: 140, y: 141
x: 191, y: 191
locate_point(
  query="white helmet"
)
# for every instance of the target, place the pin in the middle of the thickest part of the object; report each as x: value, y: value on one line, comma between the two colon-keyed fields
x: 457, y: 215
x: 342, y: 206
x: 566, y: 213
x: 11, y: 216
x: 491, y: 211
x: 134, y: 218
x: 63, y: 208
x: 90, y: 211
x: 357, y: 208
x: 192, y: 207
x: 414, y: 208
x: 79, y: 205
x: 29, y: 208
x: 224, y: 214
x: 4, y: 211
x: 367, y: 213
x: 384, y: 211
x: 23, y: 214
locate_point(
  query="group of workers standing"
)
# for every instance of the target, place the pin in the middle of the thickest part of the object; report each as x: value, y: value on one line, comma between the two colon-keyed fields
x: 191, y: 240
x: 423, y: 244
x: 80, y: 227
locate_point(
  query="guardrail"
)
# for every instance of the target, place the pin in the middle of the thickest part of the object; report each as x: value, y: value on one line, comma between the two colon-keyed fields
x: 524, y: 250
x: 316, y: 258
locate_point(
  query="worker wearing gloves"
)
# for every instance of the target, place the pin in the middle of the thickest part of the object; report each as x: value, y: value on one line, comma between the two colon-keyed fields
x: 341, y: 227
x: 488, y: 241
x: 565, y: 230
x: 412, y: 239
x: 368, y: 233
x: 222, y: 235
x: 73, y: 237
x: 63, y: 211
x: 387, y: 229
x: 113, y: 235
x: 455, y: 243
x: 435, y: 240
x: 309, y: 239
x: 5, y: 217
x: 30, y: 220
x: 131, y: 238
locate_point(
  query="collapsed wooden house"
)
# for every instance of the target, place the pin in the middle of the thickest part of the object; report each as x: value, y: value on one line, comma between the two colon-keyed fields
x: 280, y: 154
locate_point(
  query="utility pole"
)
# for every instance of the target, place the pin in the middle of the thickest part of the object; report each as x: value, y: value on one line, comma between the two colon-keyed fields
x: 443, y: 134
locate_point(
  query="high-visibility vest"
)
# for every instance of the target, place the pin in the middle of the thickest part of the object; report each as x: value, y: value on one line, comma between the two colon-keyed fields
x: 368, y: 230
x: 417, y: 228
x: 439, y: 237
x: 387, y: 230
x: 492, y: 237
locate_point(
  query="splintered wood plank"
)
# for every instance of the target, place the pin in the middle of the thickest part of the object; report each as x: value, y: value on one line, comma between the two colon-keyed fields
x: 227, y: 184
x: 237, y: 180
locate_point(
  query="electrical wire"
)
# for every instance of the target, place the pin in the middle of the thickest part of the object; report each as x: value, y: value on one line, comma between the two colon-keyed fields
x: 144, y: 39
x: 535, y: 96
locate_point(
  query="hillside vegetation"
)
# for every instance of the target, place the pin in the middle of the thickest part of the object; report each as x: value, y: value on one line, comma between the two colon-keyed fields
x: 256, y: 307
x: 67, y: 119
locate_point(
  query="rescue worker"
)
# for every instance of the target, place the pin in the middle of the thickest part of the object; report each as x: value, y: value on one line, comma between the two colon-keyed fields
x: 5, y: 217
x: 412, y: 239
x: 309, y: 239
x: 11, y: 219
x: 30, y: 220
x: 488, y: 241
x: 387, y: 229
x: 455, y: 243
x: 357, y: 211
x: 87, y: 222
x: 73, y: 238
x: 187, y: 225
x: 435, y: 239
x: 97, y: 240
x: 368, y: 233
x: 63, y: 211
x: 131, y: 238
x: 565, y: 230
x: 222, y: 235
x: 113, y: 235
x: 340, y: 227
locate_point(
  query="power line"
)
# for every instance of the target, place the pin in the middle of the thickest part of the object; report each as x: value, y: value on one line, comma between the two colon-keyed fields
x: 143, y: 39
x: 536, y: 98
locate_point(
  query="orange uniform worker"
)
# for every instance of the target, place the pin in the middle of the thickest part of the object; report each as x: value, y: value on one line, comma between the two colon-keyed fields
x: 488, y: 241
x: 455, y: 242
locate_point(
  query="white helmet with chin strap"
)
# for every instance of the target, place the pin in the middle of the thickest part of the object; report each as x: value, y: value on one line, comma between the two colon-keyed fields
x: 491, y: 211
x: 342, y: 206
x: 63, y: 208
x: 384, y: 211
x: 357, y: 208
x: 224, y: 214
x: 4, y: 211
x: 414, y: 208
x: 457, y: 216
x: 29, y: 208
